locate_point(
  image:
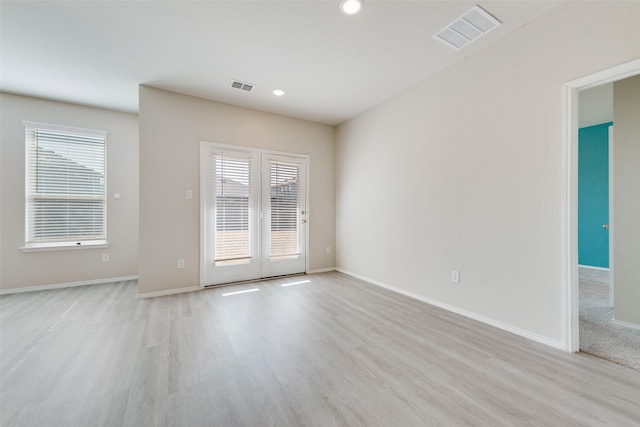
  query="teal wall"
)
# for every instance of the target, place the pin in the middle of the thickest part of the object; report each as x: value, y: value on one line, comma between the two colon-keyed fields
x: 593, y: 195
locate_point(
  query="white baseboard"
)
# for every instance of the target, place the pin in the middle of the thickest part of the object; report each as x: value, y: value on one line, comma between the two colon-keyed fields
x: 321, y: 270
x: 66, y: 285
x: 625, y: 324
x: 591, y: 267
x: 168, y: 292
x: 466, y: 313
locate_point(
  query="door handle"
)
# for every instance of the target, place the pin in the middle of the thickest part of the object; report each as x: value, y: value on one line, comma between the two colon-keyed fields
x: 605, y: 226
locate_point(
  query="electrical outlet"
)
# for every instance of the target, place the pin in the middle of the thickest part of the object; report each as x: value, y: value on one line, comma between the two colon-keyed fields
x: 105, y: 257
x: 455, y: 276
x: 328, y: 249
x: 181, y: 263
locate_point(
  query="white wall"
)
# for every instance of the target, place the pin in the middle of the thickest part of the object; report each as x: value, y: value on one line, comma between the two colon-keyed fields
x: 595, y: 105
x: 171, y: 128
x: 464, y: 171
x: 18, y: 269
x: 626, y: 193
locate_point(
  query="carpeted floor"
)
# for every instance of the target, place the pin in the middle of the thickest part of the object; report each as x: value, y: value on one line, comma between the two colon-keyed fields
x: 598, y: 336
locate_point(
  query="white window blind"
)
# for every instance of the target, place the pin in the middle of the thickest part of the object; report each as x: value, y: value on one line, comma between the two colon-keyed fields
x: 65, y: 184
x: 233, y: 202
x: 284, y: 186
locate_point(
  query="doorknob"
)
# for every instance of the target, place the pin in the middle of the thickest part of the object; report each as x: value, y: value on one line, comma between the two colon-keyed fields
x: 605, y: 226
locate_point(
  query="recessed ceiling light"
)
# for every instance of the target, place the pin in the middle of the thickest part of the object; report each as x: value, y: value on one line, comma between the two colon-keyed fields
x: 350, y: 7
x: 278, y: 92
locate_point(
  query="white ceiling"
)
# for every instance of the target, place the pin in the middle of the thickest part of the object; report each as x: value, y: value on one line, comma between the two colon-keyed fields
x: 331, y: 66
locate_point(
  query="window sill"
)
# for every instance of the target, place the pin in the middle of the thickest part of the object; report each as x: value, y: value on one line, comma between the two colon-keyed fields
x: 65, y: 246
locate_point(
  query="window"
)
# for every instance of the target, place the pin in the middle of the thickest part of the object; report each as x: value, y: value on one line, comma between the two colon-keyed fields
x: 233, y: 199
x: 65, y: 186
x: 285, y: 205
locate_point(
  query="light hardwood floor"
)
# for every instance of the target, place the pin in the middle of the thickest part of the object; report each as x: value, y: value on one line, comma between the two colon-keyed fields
x: 334, y: 351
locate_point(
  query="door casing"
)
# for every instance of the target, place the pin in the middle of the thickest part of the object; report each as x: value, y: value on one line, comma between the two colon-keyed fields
x: 206, y: 147
x: 569, y: 230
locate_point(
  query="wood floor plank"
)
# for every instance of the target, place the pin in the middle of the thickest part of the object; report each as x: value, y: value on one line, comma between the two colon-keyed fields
x: 333, y: 351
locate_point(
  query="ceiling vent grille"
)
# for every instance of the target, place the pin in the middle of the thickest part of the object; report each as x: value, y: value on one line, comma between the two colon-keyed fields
x: 247, y: 87
x: 475, y: 23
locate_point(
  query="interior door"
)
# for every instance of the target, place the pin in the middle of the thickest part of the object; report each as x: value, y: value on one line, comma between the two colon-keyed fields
x: 253, y: 217
x: 593, y: 196
x: 284, y: 215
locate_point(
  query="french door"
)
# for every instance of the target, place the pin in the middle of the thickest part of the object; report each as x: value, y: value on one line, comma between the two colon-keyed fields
x: 253, y: 214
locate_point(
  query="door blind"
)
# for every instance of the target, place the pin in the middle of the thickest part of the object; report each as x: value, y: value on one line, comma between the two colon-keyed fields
x: 233, y: 208
x: 285, y: 208
x: 65, y: 186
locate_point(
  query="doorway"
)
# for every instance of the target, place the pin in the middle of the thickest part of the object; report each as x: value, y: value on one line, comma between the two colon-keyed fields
x: 253, y: 214
x: 570, y: 202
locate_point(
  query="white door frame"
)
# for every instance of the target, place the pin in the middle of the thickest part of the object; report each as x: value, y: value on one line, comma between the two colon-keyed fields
x: 610, y: 230
x: 207, y: 145
x: 569, y: 240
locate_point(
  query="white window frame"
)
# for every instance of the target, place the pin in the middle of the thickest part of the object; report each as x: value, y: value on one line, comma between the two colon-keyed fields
x: 35, y: 245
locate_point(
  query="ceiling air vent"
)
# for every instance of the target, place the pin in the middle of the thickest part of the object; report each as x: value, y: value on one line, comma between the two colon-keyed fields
x: 248, y: 87
x: 475, y: 23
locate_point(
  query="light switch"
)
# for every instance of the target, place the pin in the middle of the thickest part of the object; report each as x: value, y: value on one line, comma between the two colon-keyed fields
x: 116, y: 196
x: 188, y: 194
